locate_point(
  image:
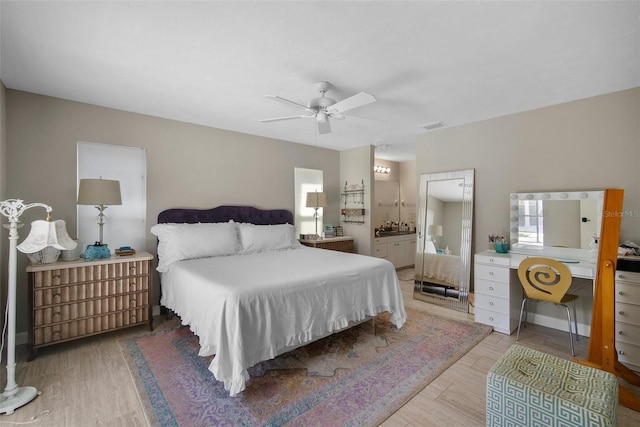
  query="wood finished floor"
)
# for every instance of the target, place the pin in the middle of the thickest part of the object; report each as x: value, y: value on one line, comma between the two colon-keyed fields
x: 87, y: 382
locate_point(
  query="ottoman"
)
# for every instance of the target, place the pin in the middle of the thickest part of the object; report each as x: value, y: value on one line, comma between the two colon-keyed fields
x: 528, y: 388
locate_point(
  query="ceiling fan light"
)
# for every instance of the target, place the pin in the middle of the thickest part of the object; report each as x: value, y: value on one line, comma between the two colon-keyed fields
x: 322, y: 117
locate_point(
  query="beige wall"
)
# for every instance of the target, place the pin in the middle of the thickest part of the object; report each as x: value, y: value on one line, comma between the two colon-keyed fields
x: 187, y: 165
x: 356, y: 167
x: 588, y: 144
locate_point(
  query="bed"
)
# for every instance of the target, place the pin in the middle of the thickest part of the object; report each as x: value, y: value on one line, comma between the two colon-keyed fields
x: 440, y: 272
x: 250, y: 291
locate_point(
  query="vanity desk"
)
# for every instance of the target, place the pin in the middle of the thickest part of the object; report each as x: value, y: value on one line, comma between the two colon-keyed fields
x: 498, y: 293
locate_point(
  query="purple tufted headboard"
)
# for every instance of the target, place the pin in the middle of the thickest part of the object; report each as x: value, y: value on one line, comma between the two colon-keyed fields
x: 226, y: 213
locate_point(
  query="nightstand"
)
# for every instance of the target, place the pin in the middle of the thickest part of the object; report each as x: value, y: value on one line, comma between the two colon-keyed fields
x: 342, y: 244
x: 76, y: 299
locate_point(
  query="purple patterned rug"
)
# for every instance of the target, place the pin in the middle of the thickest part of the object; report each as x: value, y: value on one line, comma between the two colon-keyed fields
x: 352, y: 378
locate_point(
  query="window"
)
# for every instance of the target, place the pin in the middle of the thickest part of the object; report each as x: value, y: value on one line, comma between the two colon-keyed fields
x: 530, y: 229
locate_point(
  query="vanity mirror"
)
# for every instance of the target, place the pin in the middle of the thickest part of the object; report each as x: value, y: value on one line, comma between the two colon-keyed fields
x: 443, y: 255
x: 387, y: 205
x: 566, y: 221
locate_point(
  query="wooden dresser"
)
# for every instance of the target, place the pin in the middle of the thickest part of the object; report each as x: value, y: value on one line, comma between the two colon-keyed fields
x: 75, y: 299
x: 342, y: 244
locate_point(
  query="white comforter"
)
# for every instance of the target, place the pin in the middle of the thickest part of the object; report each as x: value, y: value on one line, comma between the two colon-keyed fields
x: 250, y: 308
x: 443, y: 267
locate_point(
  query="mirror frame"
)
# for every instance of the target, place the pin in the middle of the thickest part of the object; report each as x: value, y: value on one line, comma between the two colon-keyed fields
x: 462, y: 303
x: 514, y: 216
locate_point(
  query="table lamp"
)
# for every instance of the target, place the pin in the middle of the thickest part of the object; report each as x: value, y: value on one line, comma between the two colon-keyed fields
x: 99, y: 192
x: 435, y: 231
x: 316, y: 200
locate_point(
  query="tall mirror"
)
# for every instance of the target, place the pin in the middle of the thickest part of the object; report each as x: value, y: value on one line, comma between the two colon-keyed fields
x: 563, y: 221
x: 443, y: 252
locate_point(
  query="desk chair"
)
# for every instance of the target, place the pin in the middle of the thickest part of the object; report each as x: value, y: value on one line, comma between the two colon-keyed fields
x: 547, y: 280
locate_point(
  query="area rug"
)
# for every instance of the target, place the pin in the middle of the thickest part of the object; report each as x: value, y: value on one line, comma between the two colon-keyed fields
x: 357, y: 377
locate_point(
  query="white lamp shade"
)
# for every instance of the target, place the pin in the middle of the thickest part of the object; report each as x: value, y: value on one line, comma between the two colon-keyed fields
x: 47, y: 233
x: 435, y: 230
x: 99, y: 192
x: 316, y: 199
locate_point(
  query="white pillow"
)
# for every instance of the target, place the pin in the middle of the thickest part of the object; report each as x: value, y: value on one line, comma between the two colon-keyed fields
x: 260, y: 238
x: 177, y: 242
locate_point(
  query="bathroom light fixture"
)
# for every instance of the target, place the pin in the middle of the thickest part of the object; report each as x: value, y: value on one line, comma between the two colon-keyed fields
x: 381, y: 169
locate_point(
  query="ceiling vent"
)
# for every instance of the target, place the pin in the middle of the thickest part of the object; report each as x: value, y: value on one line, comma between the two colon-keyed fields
x: 432, y: 126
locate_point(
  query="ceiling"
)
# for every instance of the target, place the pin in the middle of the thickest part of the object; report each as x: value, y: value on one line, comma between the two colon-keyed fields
x: 211, y: 63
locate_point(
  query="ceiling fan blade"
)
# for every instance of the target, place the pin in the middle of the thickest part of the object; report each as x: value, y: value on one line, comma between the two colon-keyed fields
x: 324, y: 127
x: 277, y: 119
x: 286, y: 101
x: 355, y: 101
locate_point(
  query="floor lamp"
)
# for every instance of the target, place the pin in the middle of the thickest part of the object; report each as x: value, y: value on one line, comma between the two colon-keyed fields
x: 42, y: 234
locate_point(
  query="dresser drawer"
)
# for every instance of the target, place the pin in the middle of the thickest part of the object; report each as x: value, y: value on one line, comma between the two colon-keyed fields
x: 492, y: 303
x: 499, y: 321
x: 628, y: 292
x: 64, y: 331
x: 492, y: 272
x: 492, y: 260
x: 627, y: 313
x: 54, y: 295
x: 88, y: 308
x: 628, y: 276
x: 628, y: 353
x: 488, y: 287
x: 628, y: 333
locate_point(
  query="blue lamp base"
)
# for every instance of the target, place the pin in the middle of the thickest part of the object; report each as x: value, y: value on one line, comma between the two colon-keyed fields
x: 94, y: 252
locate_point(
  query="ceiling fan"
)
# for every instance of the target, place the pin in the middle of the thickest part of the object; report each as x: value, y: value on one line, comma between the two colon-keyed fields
x: 323, y: 108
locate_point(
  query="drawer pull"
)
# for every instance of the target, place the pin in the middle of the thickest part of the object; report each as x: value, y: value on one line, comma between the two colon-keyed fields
x: 491, y: 273
x: 133, y: 317
x: 621, y: 313
x: 132, y: 301
x: 621, y: 333
x: 133, y: 267
x: 490, y: 302
x: 491, y: 288
x: 491, y: 318
x: 490, y: 259
x: 56, y: 335
x: 620, y: 293
x: 621, y: 352
x: 132, y: 287
x: 56, y: 316
x: 56, y: 297
x: 621, y: 276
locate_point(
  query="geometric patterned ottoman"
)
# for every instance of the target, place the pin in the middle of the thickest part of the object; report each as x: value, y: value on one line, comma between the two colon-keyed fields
x: 528, y: 388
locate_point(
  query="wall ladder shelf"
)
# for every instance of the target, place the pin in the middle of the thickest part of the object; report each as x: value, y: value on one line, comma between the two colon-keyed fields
x: 353, y: 203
